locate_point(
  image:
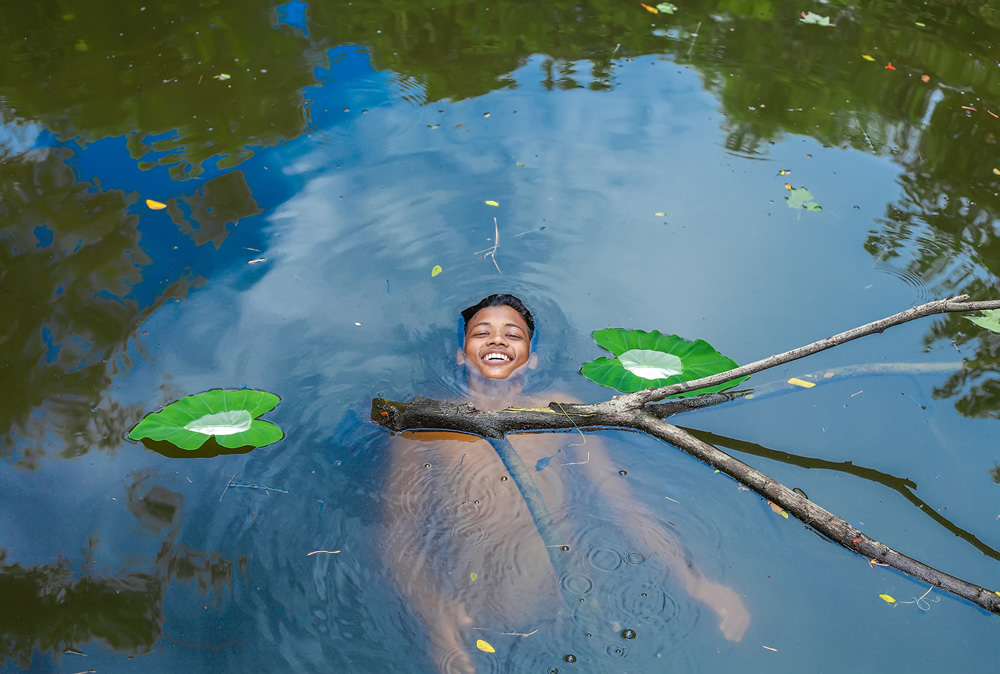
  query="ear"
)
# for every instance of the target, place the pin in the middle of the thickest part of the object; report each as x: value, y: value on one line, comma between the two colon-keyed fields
x: 460, y: 357
x: 532, y: 361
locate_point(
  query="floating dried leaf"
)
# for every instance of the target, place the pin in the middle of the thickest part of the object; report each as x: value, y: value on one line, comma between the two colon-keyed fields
x: 889, y: 600
x: 490, y: 202
x: 155, y: 205
x: 485, y: 647
x: 795, y: 381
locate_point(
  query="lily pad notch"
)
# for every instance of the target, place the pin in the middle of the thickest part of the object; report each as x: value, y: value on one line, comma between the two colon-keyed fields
x: 651, y: 359
x: 229, y: 416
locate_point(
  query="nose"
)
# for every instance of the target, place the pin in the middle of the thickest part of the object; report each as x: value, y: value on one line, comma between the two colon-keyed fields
x: 497, y: 338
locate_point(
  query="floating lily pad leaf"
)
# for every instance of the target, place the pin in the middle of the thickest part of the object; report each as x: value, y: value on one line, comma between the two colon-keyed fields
x: 228, y: 416
x: 801, y: 198
x: 989, y: 319
x: 816, y: 19
x: 635, y: 366
x: 666, y: 8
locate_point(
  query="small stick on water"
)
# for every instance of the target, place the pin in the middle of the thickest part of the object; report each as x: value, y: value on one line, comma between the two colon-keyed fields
x: 507, y: 634
x: 228, y: 485
x: 492, y: 252
x: 325, y: 552
x: 263, y: 486
x: 694, y: 37
x: 578, y: 463
x: 232, y: 484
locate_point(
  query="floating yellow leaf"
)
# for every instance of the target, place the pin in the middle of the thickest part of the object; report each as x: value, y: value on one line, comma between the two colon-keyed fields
x: 997, y: 171
x: 795, y: 381
x: 651, y: 10
x: 887, y: 599
x: 787, y: 186
x: 155, y: 205
x: 867, y: 57
x: 783, y: 172
x: 660, y: 214
x: 996, y: 593
x: 777, y: 508
x: 436, y: 270
x: 485, y: 647
x: 491, y: 203
x: 473, y: 575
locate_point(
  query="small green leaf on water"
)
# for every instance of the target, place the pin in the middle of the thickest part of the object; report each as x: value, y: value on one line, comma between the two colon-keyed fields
x: 473, y: 575
x: 816, y: 19
x: 868, y: 57
x: 887, y: 599
x: 433, y: 126
x: 81, y: 45
x: 490, y: 202
x: 519, y: 164
x: 801, y: 198
x: 223, y: 76
x: 667, y: 8
x: 660, y: 214
x: 989, y: 319
x: 919, y: 25
x: 436, y: 270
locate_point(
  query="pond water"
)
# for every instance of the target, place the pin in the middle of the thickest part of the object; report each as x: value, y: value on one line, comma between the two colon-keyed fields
x: 318, y: 160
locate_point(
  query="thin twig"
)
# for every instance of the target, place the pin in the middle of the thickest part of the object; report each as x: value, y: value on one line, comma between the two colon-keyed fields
x: 507, y: 634
x: 228, y: 485
x: 492, y: 252
x: 693, y: 38
x: 263, y: 486
x: 325, y: 552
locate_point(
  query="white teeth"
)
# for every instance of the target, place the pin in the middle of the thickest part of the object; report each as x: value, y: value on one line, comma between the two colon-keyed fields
x: 496, y: 356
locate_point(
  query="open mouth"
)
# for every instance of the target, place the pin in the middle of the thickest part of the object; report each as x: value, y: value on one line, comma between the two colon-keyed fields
x: 496, y: 357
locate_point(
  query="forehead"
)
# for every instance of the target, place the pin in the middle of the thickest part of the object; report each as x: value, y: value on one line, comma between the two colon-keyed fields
x: 501, y: 315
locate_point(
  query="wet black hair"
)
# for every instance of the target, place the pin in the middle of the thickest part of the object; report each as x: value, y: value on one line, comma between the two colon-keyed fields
x: 501, y: 300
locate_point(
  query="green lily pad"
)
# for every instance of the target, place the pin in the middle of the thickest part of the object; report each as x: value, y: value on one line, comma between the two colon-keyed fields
x: 989, y: 319
x: 801, y: 198
x: 651, y: 359
x: 228, y: 416
x: 666, y: 8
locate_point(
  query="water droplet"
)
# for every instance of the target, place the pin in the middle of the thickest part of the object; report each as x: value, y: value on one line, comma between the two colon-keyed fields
x: 570, y: 657
x: 644, y: 594
x: 628, y: 634
x: 552, y: 670
x: 503, y: 478
x: 623, y: 472
x: 564, y: 548
x: 589, y: 634
x: 427, y: 465
x: 476, y: 501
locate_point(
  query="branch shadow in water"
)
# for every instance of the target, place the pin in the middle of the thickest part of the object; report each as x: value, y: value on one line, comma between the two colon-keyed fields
x: 901, y: 485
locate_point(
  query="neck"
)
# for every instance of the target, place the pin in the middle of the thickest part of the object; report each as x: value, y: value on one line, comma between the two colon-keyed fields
x: 495, y: 394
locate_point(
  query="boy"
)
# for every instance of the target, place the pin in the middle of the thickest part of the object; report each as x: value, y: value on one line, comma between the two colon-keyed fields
x: 462, y: 543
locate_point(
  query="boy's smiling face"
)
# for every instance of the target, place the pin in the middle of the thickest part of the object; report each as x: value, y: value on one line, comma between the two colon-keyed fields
x: 497, y: 343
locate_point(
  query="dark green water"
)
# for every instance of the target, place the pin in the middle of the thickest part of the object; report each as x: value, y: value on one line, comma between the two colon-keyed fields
x: 349, y: 151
